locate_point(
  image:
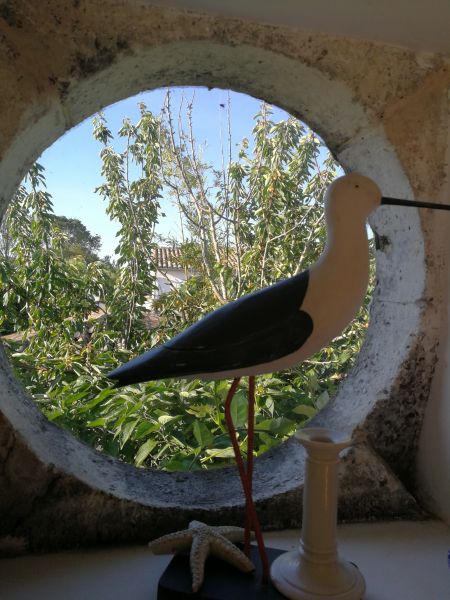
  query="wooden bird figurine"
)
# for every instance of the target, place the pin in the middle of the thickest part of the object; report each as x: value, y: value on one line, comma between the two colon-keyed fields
x: 277, y: 327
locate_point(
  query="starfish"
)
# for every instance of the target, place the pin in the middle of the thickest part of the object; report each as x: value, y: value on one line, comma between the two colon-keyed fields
x: 204, y: 540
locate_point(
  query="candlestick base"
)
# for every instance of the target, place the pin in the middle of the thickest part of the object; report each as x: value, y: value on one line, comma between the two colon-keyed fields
x: 299, y: 579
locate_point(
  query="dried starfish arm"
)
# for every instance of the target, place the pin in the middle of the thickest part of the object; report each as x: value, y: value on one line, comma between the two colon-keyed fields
x: 199, y: 553
x: 234, y: 534
x: 172, y: 542
x: 226, y: 550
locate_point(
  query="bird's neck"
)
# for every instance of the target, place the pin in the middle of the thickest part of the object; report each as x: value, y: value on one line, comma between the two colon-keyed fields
x: 339, y: 279
x: 347, y: 244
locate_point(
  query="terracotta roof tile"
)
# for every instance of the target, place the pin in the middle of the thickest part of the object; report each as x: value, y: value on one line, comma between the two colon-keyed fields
x: 167, y: 257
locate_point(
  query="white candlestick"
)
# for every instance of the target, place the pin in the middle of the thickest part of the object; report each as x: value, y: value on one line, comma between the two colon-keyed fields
x: 314, y: 571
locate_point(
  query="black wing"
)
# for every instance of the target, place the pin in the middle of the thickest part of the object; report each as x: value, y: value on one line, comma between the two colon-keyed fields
x: 255, y: 329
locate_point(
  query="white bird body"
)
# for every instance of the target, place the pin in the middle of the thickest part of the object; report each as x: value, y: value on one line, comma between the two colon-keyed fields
x: 338, y: 281
x: 278, y: 327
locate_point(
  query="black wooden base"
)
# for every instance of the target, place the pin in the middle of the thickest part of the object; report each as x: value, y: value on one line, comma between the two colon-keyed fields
x: 222, y: 581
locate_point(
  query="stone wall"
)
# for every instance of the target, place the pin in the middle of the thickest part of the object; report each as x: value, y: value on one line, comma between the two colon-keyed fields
x: 384, y: 112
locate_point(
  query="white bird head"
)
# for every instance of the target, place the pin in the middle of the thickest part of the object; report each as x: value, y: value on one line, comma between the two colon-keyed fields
x: 354, y: 197
x: 351, y: 197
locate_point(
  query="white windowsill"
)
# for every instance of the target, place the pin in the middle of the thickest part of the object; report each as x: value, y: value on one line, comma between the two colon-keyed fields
x: 400, y: 561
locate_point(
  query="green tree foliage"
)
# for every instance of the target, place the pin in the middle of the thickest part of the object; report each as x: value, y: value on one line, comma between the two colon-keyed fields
x: 77, y: 239
x: 132, y: 188
x: 251, y: 224
x: 254, y: 219
x: 46, y: 297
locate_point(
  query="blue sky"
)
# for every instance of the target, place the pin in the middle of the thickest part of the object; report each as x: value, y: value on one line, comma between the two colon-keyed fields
x: 73, y: 165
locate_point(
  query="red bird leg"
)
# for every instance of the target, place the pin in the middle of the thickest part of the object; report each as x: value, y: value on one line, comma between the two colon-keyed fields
x: 250, y: 441
x: 245, y: 484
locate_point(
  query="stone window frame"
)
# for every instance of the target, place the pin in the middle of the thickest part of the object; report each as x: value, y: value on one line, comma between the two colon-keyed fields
x: 49, y: 474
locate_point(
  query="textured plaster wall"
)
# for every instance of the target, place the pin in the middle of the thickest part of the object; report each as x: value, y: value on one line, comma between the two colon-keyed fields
x: 382, y: 110
x: 434, y: 449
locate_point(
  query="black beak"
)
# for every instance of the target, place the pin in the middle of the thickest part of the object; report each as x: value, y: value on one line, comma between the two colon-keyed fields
x: 413, y: 203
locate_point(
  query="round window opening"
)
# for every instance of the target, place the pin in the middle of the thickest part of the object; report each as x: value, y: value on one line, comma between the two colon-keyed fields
x: 209, y: 195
